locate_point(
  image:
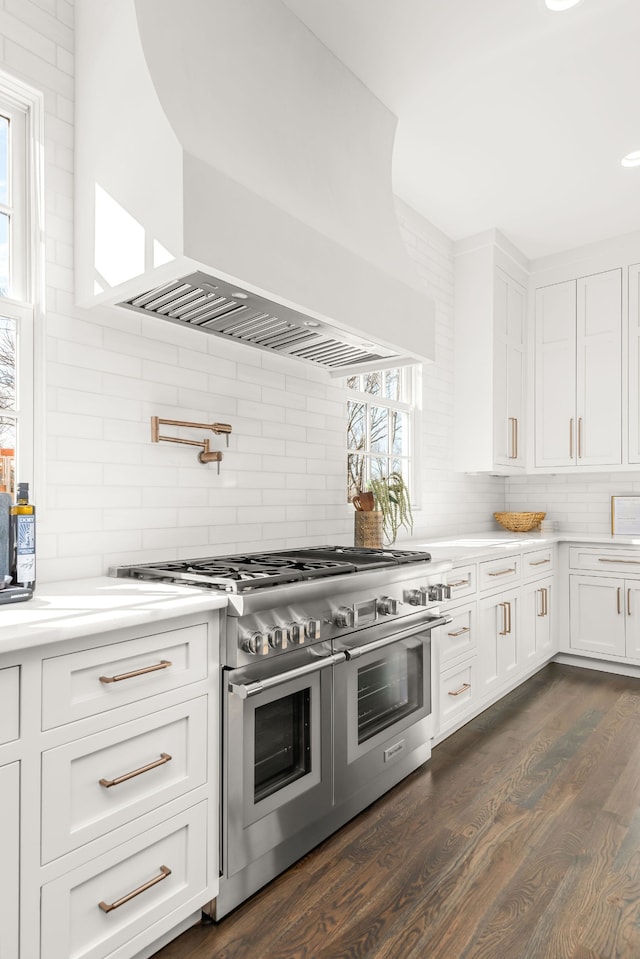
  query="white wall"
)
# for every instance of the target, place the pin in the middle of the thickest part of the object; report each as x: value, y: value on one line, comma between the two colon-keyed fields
x: 111, y: 496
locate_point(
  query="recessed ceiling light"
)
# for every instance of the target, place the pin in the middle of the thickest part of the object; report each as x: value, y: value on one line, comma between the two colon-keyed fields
x: 559, y: 5
x: 310, y: 323
x: 631, y: 159
x: 237, y: 295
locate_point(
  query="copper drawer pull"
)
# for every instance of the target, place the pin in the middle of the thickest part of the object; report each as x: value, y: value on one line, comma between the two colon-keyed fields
x: 109, y: 906
x: 513, y: 455
x: 539, y: 562
x: 579, y: 437
x: 546, y: 600
x: 459, y: 632
x: 618, y: 592
x: 506, y: 619
x: 502, y: 572
x: 542, y: 610
x: 163, y: 664
x: 628, y: 602
x: 632, y: 562
x: 571, y: 438
x: 460, y: 582
x: 463, y: 689
x: 108, y: 783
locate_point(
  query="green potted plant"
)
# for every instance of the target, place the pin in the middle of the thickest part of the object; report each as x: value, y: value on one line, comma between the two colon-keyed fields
x: 392, y: 499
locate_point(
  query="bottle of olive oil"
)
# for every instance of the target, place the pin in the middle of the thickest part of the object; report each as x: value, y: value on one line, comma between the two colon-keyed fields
x: 23, y: 529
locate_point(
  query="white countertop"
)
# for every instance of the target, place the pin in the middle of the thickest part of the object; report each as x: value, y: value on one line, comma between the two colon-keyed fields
x: 60, y: 611
x: 485, y: 545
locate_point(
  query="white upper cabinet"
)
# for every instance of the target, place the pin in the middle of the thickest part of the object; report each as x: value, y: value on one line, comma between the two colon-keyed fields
x: 490, y: 316
x: 578, y: 383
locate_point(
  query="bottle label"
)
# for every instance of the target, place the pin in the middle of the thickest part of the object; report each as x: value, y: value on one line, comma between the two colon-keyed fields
x: 26, y: 549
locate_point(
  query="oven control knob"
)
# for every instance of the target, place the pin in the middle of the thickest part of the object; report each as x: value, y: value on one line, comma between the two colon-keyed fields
x: 253, y: 643
x: 295, y: 633
x: 418, y: 597
x: 387, y: 606
x: 276, y: 638
x: 345, y: 616
x: 312, y: 628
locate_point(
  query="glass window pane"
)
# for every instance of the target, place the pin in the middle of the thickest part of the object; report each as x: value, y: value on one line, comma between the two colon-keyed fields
x: 379, y: 442
x: 399, y: 433
x: 356, y: 478
x: 7, y: 454
x: 4, y: 255
x: 372, y: 383
x: 392, y: 384
x: 353, y: 382
x: 7, y: 364
x: 4, y: 161
x: 379, y: 466
x: 356, y: 426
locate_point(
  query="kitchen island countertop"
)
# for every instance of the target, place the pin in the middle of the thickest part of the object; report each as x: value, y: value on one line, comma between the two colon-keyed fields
x: 61, y: 611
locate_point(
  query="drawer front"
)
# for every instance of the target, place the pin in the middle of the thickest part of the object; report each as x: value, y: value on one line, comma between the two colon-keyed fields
x: 610, y: 561
x: 96, y: 784
x: 537, y: 563
x: 95, y: 909
x: 9, y: 704
x: 458, y: 692
x: 459, y: 637
x: 496, y: 573
x: 9, y: 844
x: 463, y: 581
x: 97, y: 680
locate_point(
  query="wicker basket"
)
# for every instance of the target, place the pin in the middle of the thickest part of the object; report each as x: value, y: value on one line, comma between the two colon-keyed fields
x: 520, y: 522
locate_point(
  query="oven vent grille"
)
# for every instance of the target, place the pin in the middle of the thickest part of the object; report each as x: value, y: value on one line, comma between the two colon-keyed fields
x: 207, y: 303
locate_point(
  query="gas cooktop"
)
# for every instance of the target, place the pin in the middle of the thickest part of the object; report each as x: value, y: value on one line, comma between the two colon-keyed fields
x: 246, y: 571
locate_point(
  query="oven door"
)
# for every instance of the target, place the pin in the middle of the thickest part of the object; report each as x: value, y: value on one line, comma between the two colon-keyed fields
x: 383, y: 708
x: 277, y: 773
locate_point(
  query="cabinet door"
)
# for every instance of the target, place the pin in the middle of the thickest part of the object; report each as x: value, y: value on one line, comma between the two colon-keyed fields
x: 535, y: 629
x: 555, y: 376
x: 509, y: 319
x: 9, y: 839
x: 632, y: 610
x: 598, y: 369
x: 634, y: 364
x: 597, y: 620
x: 499, y: 653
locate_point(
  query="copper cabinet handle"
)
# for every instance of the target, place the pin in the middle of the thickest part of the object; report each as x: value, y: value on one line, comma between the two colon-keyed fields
x: 107, y: 783
x: 163, y: 664
x: 505, y: 626
x: 514, y: 438
x: 628, y: 602
x: 509, y: 614
x: 460, y: 582
x: 457, y: 692
x: 541, y: 591
x: 579, y: 437
x: 618, y: 592
x: 539, y: 562
x: 109, y: 906
x: 571, y: 438
x: 459, y: 632
x: 502, y: 572
x: 546, y: 601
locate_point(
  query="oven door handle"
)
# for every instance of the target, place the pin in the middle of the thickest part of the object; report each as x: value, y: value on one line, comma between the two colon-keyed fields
x: 429, y: 623
x: 245, y: 690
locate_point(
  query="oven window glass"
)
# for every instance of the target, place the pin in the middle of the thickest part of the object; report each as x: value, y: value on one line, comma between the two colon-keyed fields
x: 282, y: 743
x: 389, y: 689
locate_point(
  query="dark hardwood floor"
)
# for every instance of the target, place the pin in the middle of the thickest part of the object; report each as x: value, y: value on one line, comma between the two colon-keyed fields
x: 520, y: 839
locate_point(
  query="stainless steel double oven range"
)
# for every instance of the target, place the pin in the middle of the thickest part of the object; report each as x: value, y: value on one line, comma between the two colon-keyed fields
x: 326, y: 693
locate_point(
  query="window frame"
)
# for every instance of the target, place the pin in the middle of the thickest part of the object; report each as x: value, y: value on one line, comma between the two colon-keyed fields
x: 410, y: 404
x: 24, y: 105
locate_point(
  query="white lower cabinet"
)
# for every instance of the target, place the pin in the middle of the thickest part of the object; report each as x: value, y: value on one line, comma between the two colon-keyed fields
x: 458, y: 693
x: 536, y: 632
x: 10, y: 871
x: 456, y: 685
x: 498, y: 645
x: 106, y: 904
x: 605, y: 616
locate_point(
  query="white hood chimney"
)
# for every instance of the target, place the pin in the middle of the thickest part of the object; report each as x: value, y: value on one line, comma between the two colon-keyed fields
x: 221, y: 149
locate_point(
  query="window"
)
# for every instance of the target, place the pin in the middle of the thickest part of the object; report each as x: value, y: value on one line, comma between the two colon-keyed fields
x: 20, y: 212
x: 381, y: 414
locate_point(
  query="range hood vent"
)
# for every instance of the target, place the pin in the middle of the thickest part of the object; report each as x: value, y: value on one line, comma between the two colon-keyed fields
x: 205, y: 302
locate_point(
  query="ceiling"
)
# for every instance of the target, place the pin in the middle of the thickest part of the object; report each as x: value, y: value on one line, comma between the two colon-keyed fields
x: 509, y: 116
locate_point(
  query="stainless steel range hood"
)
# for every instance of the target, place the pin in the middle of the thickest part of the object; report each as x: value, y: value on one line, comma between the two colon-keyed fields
x: 204, y: 302
x: 248, y: 196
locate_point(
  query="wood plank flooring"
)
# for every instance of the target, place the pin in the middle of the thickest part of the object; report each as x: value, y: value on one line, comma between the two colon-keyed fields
x: 520, y: 839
